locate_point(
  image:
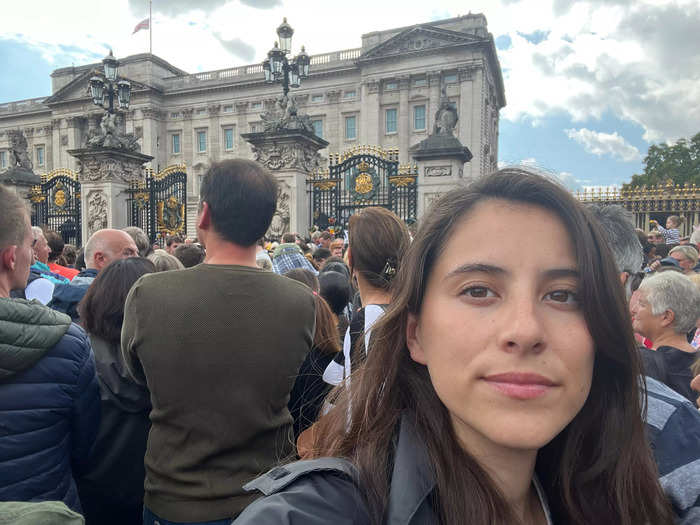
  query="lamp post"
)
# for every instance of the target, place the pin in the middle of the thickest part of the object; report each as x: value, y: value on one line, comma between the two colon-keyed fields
x: 278, y: 68
x: 107, y: 86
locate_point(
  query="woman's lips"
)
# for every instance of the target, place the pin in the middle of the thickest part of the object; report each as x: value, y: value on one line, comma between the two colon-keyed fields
x: 519, y: 385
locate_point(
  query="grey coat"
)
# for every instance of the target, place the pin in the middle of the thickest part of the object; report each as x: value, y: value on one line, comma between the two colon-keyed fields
x: 322, y: 491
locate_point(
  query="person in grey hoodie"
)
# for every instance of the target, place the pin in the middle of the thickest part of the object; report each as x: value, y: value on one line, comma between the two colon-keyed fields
x: 49, y: 397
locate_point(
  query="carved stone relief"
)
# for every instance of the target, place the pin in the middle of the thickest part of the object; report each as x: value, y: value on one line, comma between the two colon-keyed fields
x: 372, y: 86
x: 438, y: 171
x: 97, y: 207
x: 280, y: 220
x: 64, y: 140
x: 333, y: 95
x: 287, y: 156
x: 101, y: 169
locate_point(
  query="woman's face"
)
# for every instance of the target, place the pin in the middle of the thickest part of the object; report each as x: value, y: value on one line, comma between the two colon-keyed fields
x: 644, y: 322
x: 501, y: 331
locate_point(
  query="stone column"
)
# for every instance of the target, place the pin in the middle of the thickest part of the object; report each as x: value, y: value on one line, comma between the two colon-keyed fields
x: 440, y: 160
x: 291, y: 156
x: 215, y: 139
x: 405, y: 120
x: 105, y: 175
x: 371, y: 118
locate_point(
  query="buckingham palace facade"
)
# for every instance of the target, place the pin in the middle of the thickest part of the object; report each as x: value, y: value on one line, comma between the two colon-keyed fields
x: 384, y: 93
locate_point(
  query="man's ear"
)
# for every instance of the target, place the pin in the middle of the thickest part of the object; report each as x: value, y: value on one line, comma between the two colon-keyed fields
x: 623, y: 277
x: 8, y: 258
x: 667, y: 318
x: 413, y: 340
x: 204, y: 217
x: 99, y: 260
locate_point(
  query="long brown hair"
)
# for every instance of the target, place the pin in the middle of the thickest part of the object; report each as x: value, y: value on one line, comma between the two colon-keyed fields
x: 598, y: 469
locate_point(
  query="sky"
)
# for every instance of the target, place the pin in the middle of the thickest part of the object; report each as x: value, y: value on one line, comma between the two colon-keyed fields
x: 590, y: 84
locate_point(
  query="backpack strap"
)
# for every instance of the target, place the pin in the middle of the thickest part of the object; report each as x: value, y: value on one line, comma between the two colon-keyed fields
x: 279, y: 478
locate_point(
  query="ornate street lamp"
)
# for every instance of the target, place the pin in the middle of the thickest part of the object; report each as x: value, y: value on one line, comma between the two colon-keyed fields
x: 108, y: 86
x: 278, y: 68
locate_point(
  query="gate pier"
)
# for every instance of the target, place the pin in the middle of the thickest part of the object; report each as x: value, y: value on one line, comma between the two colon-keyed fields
x: 106, y: 175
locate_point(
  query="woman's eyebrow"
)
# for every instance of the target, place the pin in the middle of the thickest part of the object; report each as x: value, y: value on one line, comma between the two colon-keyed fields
x: 476, y: 267
x: 555, y: 273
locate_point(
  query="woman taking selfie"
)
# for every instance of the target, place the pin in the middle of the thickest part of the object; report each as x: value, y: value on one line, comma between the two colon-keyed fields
x: 502, y: 385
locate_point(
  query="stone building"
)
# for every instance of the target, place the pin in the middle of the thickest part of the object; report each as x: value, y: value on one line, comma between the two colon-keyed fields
x: 384, y: 93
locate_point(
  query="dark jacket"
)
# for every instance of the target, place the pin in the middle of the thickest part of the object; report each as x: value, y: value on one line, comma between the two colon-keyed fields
x: 111, y: 489
x: 66, y: 297
x: 321, y: 491
x: 49, y: 403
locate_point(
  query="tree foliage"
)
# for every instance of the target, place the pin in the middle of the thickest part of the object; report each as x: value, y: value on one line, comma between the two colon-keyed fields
x: 679, y: 163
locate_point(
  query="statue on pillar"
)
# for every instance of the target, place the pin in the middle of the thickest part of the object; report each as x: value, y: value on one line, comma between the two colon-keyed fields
x: 110, y: 136
x: 285, y: 116
x: 18, y: 150
x: 446, y: 117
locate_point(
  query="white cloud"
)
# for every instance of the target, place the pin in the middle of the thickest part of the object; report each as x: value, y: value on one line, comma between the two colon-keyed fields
x: 600, y: 144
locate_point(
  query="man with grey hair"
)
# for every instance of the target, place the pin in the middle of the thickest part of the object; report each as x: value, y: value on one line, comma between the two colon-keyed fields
x: 142, y: 241
x: 667, y: 309
x: 103, y: 247
x: 673, y: 424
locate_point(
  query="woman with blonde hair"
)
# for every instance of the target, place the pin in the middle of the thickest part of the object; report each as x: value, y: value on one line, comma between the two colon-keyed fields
x: 164, y: 261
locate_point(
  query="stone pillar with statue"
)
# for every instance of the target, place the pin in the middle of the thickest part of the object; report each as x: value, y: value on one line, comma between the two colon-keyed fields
x: 440, y: 157
x: 108, y: 165
x: 289, y: 148
x: 19, y: 177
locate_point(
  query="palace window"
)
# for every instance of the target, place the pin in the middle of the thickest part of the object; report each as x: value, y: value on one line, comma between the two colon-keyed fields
x: 351, y: 93
x: 419, y: 118
x: 390, y: 120
x: 391, y: 85
x: 256, y: 105
x: 176, y: 143
x: 317, y: 98
x: 174, y: 114
x: 318, y: 127
x: 228, y: 139
x: 420, y: 82
x: 351, y: 128
x: 40, y: 155
x: 3, y: 159
x: 228, y: 109
x: 451, y: 78
x: 201, y: 141
x: 201, y: 111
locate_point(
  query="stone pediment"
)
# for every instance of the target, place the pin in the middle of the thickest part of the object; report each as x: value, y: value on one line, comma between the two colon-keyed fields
x: 419, y: 39
x: 78, y: 89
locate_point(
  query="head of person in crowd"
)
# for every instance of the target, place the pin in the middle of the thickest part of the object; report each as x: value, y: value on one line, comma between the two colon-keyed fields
x: 618, y: 229
x: 668, y: 308
x: 337, y: 247
x: 656, y: 237
x: 493, y: 353
x: 42, y: 250
x: 56, y: 245
x: 16, y: 240
x: 172, y: 242
x: 326, y: 335
x: 673, y: 221
x: 80, y: 259
x: 320, y: 256
x: 289, y: 238
x: 165, y: 262
x: 335, y: 289
x: 107, y: 245
x: 315, y: 236
x: 378, y: 240
x: 687, y: 257
x: 102, y: 308
x: 190, y: 254
x: 69, y: 255
x: 325, y: 239
x: 336, y: 264
x: 237, y: 200
x: 143, y: 243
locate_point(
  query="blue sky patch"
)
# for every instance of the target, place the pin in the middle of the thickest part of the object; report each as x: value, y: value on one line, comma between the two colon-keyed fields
x: 536, y: 36
x: 503, y: 42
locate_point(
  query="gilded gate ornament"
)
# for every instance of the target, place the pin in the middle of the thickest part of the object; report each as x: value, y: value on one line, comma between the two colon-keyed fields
x: 171, y: 215
x: 365, y: 182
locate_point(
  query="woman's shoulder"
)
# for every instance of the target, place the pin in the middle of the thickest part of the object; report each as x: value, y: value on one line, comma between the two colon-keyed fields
x: 309, y: 492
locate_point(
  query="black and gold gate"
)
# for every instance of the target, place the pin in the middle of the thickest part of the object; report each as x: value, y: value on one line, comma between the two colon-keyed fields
x: 158, y: 204
x: 56, y: 204
x: 359, y: 178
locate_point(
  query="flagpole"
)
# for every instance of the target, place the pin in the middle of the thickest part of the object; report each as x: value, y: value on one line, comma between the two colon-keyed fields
x: 150, y: 26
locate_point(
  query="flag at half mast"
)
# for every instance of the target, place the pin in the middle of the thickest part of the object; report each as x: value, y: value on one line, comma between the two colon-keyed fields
x: 143, y: 24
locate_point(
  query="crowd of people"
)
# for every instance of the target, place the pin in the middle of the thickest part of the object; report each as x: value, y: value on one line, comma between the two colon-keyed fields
x: 519, y: 358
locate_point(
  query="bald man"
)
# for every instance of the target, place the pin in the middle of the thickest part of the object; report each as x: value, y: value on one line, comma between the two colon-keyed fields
x: 103, y: 247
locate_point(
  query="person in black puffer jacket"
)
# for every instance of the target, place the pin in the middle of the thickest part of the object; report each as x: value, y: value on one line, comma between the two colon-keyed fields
x: 49, y: 396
